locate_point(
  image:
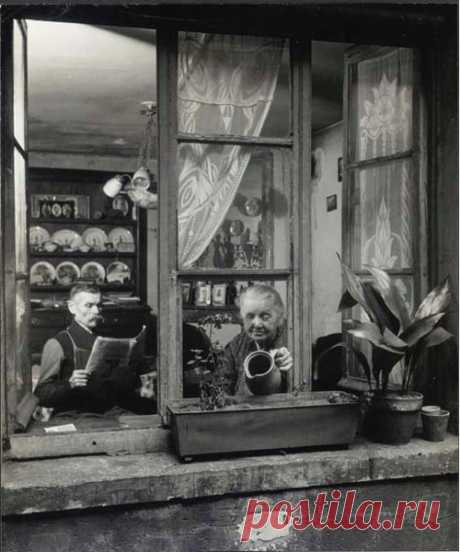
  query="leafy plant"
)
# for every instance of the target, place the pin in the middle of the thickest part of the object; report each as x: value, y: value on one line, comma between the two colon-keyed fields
x: 394, y: 335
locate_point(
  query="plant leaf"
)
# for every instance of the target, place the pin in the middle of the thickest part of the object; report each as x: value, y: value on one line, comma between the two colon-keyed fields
x: 371, y: 332
x: 420, y: 328
x: 382, y: 314
x: 393, y: 340
x: 346, y: 302
x: 360, y: 356
x: 383, y: 361
x: 391, y: 294
x: 436, y: 337
x: 354, y: 287
x: 436, y: 301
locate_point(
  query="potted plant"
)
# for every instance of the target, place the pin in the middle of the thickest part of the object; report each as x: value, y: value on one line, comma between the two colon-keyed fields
x: 395, y: 337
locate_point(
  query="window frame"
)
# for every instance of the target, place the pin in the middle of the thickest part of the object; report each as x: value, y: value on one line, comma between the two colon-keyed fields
x: 298, y: 275
x: 416, y: 154
x: 323, y: 23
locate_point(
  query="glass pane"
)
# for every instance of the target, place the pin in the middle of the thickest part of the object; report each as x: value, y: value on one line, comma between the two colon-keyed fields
x: 384, y: 216
x: 233, y: 85
x: 383, y: 104
x: 20, y: 211
x: 233, y: 209
x: 19, y: 85
x: 23, y: 372
x: 212, y: 324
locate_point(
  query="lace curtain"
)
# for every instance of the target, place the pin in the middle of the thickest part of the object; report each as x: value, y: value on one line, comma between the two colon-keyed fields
x: 226, y: 85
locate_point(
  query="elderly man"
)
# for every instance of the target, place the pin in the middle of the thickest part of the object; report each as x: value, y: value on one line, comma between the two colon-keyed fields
x: 262, y: 312
x: 65, y: 385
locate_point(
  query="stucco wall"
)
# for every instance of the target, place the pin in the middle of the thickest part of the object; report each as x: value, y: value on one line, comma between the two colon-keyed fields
x: 326, y: 231
x: 214, y: 524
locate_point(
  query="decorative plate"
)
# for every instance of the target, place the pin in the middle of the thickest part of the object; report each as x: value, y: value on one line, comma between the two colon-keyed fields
x: 236, y: 227
x: 96, y: 238
x: 67, y: 273
x: 118, y: 272
x: 38, y: 236
x: 120, y: 203
x: 122, y: 239
x: 253, y: 207
x: 67, y: 238
x: 93, y: 271
x: 42, y: 274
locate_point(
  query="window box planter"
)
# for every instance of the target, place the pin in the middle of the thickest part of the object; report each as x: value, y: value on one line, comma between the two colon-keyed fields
x: 280, y: 421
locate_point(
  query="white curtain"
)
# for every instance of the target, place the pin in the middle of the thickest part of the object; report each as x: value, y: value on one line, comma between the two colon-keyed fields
x: 225, y: 86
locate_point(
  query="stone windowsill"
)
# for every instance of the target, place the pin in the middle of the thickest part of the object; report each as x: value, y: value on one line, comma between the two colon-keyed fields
x: 96, y: 481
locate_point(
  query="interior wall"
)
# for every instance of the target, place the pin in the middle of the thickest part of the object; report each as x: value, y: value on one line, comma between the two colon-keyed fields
x: 327, y: 146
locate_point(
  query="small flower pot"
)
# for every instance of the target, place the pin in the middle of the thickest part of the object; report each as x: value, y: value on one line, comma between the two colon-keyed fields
x: 435, y: 424
x: 391, y: 418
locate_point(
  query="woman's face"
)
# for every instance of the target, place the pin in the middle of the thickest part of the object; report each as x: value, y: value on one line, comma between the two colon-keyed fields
x: 261, y: 318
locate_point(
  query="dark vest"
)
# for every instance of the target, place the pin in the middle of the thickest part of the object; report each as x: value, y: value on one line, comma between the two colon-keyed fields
x: 83, y: 341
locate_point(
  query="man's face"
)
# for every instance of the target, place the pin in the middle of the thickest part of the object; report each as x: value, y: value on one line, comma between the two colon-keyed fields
x: 85, y: 308
x: 261, y: 319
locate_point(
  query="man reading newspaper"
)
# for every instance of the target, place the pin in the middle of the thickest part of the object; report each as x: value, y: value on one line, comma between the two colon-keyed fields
x: 68, y: 382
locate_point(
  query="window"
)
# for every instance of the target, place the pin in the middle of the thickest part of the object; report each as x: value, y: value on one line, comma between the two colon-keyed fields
x: 253, y: 220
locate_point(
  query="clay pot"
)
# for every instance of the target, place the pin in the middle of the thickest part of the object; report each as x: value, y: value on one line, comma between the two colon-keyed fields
x: 435, y: 424
x: 391, y: 418
x: 263, y: 376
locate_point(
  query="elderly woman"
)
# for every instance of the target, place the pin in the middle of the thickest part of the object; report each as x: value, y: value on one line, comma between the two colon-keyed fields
x: 263, y: 315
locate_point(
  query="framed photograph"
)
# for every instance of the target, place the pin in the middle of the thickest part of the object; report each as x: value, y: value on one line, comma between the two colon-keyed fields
x: 331, y: 202
x: 186, y: 293
x: 203, y: 294
x: 219, y: 292
x: 60, y: 206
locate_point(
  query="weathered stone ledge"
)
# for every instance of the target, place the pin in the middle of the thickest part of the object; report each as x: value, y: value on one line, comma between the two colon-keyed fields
x: 97, y: 481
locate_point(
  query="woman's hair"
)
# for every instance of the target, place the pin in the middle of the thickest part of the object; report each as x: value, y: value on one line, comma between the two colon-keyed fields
x: 83, y: 287
x: 263, y: 291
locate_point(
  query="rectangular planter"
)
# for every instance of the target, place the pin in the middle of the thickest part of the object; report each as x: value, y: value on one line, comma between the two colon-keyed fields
x: 281, y: 421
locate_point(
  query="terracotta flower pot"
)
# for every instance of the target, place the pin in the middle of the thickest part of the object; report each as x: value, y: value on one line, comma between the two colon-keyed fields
x: 435, y: 424
x: 391, y: 417
x: 263, y: 376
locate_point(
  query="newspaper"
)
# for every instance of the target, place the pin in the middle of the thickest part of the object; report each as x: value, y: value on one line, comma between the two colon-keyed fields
x: 115, y: 351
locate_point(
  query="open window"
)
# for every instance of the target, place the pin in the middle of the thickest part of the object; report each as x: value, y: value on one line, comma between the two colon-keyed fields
x: 239, y: 119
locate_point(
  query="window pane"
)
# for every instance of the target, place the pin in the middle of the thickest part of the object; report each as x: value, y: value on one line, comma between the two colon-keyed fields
x: 232, y: 85
x: 19, y: 89
x: 384, y: 216
x: 210, y: 326
x: 383, y: 104
x: 233, y: 207
x: 20, y: 213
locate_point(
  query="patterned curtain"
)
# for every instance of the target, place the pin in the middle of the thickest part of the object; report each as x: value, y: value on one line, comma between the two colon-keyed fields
x: 225, y: 86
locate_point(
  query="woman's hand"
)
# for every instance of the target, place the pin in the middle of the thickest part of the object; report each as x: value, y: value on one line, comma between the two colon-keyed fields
x: 283, y: 359
x: 79, y: 378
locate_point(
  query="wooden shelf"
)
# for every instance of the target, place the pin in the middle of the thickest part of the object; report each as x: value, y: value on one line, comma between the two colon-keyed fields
x: 213, y: 308
x: 89, y: 221
x: 103, y: 287
x: 81, y: 254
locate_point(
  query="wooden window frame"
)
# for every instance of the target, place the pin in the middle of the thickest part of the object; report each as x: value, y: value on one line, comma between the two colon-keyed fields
x: 297, y: 276
x: 417, y: 154
x: 325, y: 23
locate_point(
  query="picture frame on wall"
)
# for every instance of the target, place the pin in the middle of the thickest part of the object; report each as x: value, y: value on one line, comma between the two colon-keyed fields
x: 60, y: 206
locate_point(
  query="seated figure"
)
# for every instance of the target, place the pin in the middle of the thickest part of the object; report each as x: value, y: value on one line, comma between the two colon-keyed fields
x: 263, y: 316
x: 64, y: 385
